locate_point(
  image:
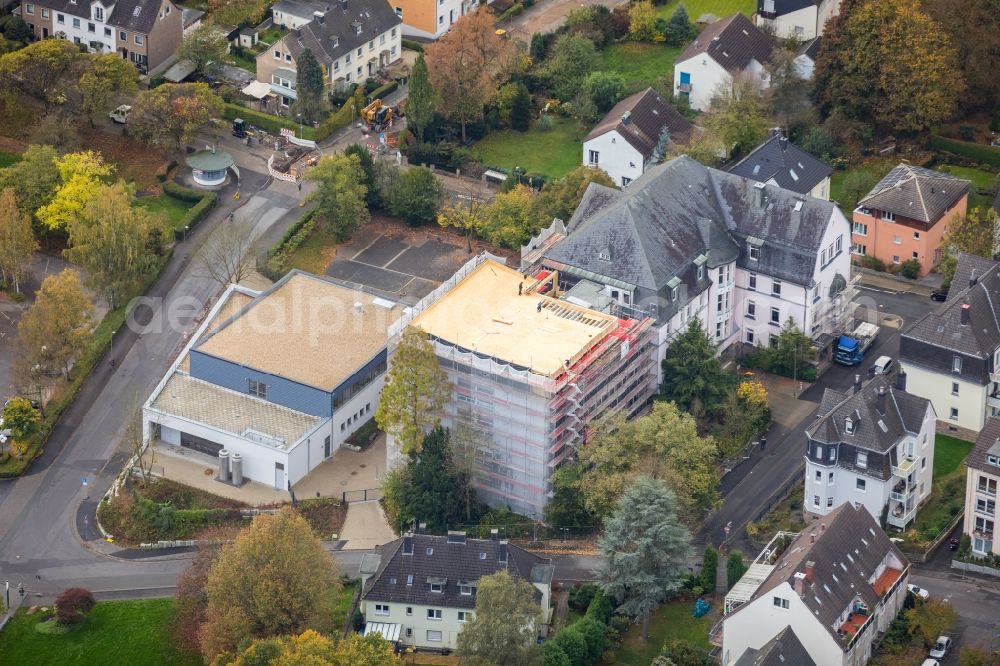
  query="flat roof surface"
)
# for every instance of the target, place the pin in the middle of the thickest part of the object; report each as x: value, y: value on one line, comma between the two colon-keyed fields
x: 306, y: 329
x: 236, y: 300
x: 210, y: 160
x: 484, y: 313
x: 235, y: 413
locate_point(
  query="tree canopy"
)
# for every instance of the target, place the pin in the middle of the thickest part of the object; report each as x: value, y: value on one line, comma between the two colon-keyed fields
x: 17, y: 241
x: 505, y: 624
x: 645, y: 549
x: 340, y: 197
x: 570, y: 60
x: 560, y: 198
x: 421, y: 101
x: 108, y: 77
x: 314, y: 649
x: 57, y: 325
x: 173, y: 112
x: 693, y: 376
x: 81, y: 176
x: 206, y: 48
x: 415, y: 195
x: 974, y: 233
x: 34, y: 179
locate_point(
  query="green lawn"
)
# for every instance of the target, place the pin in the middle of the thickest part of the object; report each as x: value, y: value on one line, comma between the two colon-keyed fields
x: 173, y: 209
x: 552, y: 152
x: 316, y: 252
x: 980, y: 179
x: 949, y: 453
x: 6, y: 159
x: 640, y: 63
x: 117, y: 633
x: 670, y: 621
x: 344, y: 603
x: 695, y: 8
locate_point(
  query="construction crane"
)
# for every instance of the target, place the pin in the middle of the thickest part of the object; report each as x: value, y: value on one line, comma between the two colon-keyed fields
x: 377, y: 116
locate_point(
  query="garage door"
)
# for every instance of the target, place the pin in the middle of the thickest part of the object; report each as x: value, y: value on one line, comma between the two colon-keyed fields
x: 200, y: 444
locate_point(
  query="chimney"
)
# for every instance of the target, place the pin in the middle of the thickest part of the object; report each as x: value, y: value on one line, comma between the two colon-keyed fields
x: 880, y: 400
x: 422, y: 528
x: 319, y: 18
x: 627, y: 116
x: 408, y: 544
x: 973, y: 279
x: 810, y: 571
x: 857, y: 383
x: 800, y: 583
x: 901, y: 381
x: 456, y: 537
x: 966, y: 311
x: 298, y: 32
x: 502, y: 553
x: 494, y: 534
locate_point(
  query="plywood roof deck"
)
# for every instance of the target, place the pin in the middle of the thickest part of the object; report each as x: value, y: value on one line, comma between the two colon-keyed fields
x: 485, y: 313
x: 306, y: 329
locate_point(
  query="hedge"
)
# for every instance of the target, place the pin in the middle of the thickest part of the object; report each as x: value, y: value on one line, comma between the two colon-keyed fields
x: 412, y: 45
x: 382, y: 91
x: 269, y: 123
x: 974, y: 151
x: 338, y: 120
x: 196, y: 214
x: 513, y: 11
x: 183, y: 193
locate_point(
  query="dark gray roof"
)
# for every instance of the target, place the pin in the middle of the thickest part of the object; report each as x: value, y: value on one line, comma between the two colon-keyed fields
x: 791, y: 167
x: 336, y: 33
x: 732, y: 42
x: 782, y: 7
x: 810, y: 48
x: 988, y: 442
x: 679, y: 210
x: 904, y: 413
x: 437, y: 557
x: 785, y: 649
x: 847, y: 530
x: 300, y: 8
x: 943, y: 327
x: 915, y: 192
x: 190, y: 16
x: 648, y: 116
x: 132, y: 15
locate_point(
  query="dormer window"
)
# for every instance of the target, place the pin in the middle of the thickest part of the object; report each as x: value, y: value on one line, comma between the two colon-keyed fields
x: 849, y: 425
x: 98, y: 13
x: 701, y: 272
x: 862, y: 460
x: 754, y: 253
x: 605, y: 255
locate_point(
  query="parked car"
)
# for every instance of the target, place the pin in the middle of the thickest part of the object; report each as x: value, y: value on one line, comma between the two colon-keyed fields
x: 918, y: 591
x: 939, y: 295
x: 941, y: 647
x: 954, y: 543
x: 883, y: 365
x: 931, y: 662
x: 34, y: 403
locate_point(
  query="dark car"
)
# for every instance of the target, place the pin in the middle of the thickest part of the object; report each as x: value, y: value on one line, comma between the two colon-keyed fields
x: 939, y: 295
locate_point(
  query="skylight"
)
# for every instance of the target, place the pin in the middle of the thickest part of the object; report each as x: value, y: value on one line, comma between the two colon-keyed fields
x: 135, y: 12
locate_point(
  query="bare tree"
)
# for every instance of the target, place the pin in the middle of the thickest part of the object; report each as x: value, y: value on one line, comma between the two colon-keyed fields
x: 140, y: 449
x: 226, y: 255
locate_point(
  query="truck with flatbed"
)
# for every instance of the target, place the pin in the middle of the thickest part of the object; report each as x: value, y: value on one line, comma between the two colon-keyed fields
x: 851, y: 347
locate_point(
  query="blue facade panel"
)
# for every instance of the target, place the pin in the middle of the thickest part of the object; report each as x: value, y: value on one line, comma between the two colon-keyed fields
x: 280, y: 390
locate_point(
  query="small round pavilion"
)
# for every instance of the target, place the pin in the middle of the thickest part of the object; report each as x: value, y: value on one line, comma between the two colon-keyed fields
x: 208, y: 167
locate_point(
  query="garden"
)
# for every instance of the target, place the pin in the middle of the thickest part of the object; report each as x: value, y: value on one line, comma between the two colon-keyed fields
x: 947, y: 499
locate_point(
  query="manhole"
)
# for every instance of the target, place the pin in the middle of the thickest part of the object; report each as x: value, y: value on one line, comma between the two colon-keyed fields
x: 354, y: 473
x: 362, y: 465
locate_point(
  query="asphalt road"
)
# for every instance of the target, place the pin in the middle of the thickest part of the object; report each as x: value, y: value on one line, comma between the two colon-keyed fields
x: 976, y: 602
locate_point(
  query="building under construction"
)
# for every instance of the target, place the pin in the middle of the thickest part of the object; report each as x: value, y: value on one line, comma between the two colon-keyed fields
x: 529, y: 373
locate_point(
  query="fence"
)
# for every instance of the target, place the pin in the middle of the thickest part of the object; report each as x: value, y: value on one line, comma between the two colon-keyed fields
x: 923, y: 556
x: 364, y: 495
x: 533, y: 531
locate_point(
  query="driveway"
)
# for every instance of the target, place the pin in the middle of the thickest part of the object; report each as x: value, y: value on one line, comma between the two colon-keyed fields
x: 365, y: 526
x: 548, y: 15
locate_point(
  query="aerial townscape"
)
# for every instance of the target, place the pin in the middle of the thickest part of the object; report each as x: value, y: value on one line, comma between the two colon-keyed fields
x: 515, y: 333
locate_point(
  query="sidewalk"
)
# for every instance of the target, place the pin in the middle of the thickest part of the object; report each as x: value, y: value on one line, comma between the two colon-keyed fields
x: 547, y: 15
x: 365, y: 526
x: 888, y: 282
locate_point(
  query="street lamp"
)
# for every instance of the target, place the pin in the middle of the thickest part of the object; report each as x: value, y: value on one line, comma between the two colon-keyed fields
x: 299, y: 116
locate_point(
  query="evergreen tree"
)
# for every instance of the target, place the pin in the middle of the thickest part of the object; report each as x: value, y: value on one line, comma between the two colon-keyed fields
x: 310, y: 74
x: 420, y: 102
x: 678, y: 29
x: 373, y: 196
x: 709, y: 569
x: 520, y: 108
x: 693, y: 377
x: 735, y: 568
x: 645, y: 550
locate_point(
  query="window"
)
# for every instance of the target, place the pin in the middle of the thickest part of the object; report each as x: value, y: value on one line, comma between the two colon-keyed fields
x: 923, y: 463
x: 76, y: 23
x: 829, y: 502
x: 984, y: 526
x: 433, y: 613
x: 29, y: 8
x: 626, y: 180
x: 464, y: 616
x: 433, y: 636
x: 916, y: 235
x: 840, y: 244
x: 987, y: 485
x: 832, y: 455
x: 751, y: 310
x: 409, y: 610
x: 60, y: 18
x: 122, y: 36
x: 409, y: 579
x: 986, y: 506
x: 954, y: 388
x: 257, y: 388
x: 381, y: 39
x: 895, y: 258
x: 409, y: 632
x: 593, y: 157
x: 440, y: 20
x: 393, y: 33
x: 752, y: 282
x: 815, y: 500
x: 92, y: 28
x: 993, y: 460
x: 360, y: 51
x: 888, y: 217
x: 954, y: 414
x: 776, y: 287
x: 829, y: 478
x: 897, y: 240
x: 754, y: 253
x: 288, y: 57
x: 45, y: 13
x: 371, y: 45
x: 399, y: 13
x: 860, y: 484
x: 381, y: 609
x: 781, y: 603
x: 138, y: 39
x: 465, y: 589
x: 862, y: 460
x: 914, y: 255
x: 98, y: 13
x: 437, y: 587
x: 819, y: 476
x: 107, y: 32
x: 776, y: 316
x: 857, y: 248
x: 860, y: 229
x: 277, y: 54
x: 956, y: 364
x: 749, y: 336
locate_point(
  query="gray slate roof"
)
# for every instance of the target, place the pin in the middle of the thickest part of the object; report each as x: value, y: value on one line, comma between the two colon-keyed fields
x: 190, y: 16
x: 681, y: 209
x: 791, y: 167
x: 943, y: 327
x: 732, y: 42
x: 435, y: 557
x: 334, y: 35
x: 826, y: 542
x: 648, y: 116
x: 785, y: 649
x: 132, y: 15
x: 904, y: 413
x: 915, y: 192
x: 300, y: 8
x: 810, y: 48
x: 782, y: 7
x: 988, y: 442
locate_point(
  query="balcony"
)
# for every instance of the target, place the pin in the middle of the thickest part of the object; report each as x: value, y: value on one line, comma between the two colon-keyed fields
x: 902, y: 491
x: 993, y: 399
x: 904, y: 467
x: 684, y: 87
x: 899, y: 515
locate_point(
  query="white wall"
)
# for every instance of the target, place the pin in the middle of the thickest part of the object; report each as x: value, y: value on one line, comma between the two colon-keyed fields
x: 418, y: 623
x: 616, y: 156
x: 85, y: 36
x: 706, y: 75
x: 800, y: 24
x: 805, y: 66
x: 937, y: 387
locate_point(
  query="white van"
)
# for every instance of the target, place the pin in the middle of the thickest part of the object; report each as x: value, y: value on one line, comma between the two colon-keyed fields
x: 883, y: 365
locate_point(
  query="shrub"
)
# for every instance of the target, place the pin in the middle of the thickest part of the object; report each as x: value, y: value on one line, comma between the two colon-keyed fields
x: 382, y: 91
x: 594, y: 635
x: 910, y: 269
x: 874, y: 263
x: 967, y: 132
x: 735, y: 568
x: 182, y: 193
x: 709, y: 568
x: 573, y: 644
x: 601, y: 608
x: 581, y: 597
x: 554, y: 655
x: 412, y: 45
x: 974, y: 151
x: 265, y: 121
x: 196, y: 214
x: 73, y: 605
x: 337, y: 120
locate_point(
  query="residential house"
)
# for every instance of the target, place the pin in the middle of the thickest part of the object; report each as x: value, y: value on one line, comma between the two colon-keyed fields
x: 906, y: 214
x: 838, y: 586
x: 296, y: 13
x: 633, y: 136
x: 279, y: 378
x: 800, y: 19
x: 872, y: 446
x: 780, y: 162
x: 805, y: 58
x: 145, y: 32
x: 785, y: 649
x: 430, y: 19
x: 529, y: 370
x: 191, y: 19
x: 982, y: 478
x: 689, y: 241
x: 352, y: 41
x: 725, y: 49
x: 951, y: 355
x: 419, y: 590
